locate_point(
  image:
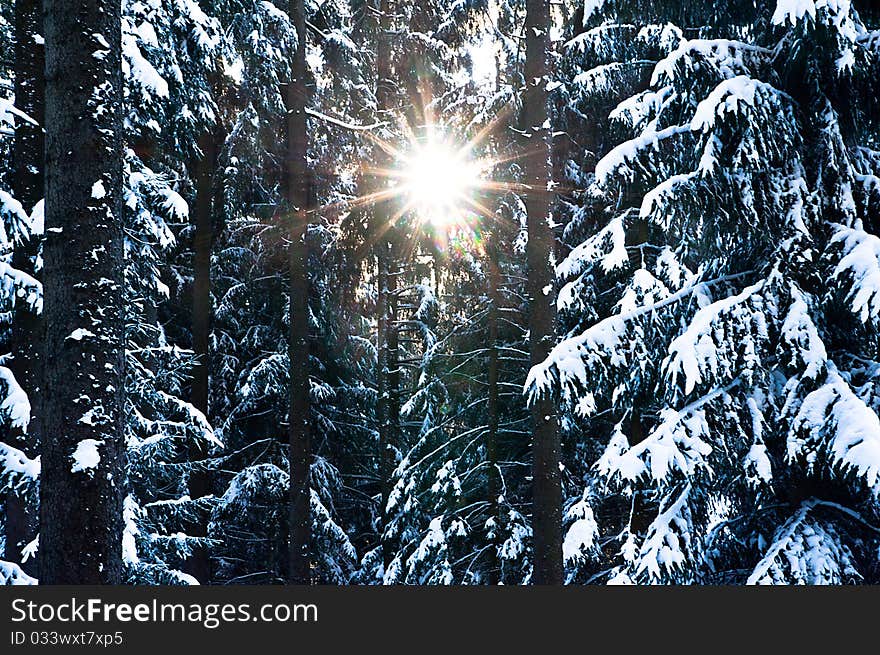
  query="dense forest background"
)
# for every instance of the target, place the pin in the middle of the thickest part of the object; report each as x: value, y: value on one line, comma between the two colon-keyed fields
x: 450, y: 292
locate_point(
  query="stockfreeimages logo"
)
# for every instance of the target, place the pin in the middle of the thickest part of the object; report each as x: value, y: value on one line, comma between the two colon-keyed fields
x: 208, y: 615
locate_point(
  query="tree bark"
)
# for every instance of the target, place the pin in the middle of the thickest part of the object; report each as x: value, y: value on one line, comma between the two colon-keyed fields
x: 82, y: 401
x: 27, y: 187
x: 298, y: 188
x: 199, y: 564
x: 546, y: 483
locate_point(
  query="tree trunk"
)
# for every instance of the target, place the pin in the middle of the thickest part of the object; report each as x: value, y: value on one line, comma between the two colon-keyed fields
x: 493, y: 487
x: 199, y: 564
x: 546, y: 484
x: 27, y: 187
x: 82, y: 401
x: 298, y: 198
x: 388, y: 376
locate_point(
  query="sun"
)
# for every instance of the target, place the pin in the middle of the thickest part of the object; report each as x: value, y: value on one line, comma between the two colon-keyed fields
x: 438, y: 181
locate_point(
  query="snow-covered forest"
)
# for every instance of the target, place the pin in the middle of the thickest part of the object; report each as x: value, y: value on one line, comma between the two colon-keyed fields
x: 459, y: 292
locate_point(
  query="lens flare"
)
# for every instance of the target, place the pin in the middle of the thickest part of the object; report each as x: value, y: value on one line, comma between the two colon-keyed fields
x: 438, y: 180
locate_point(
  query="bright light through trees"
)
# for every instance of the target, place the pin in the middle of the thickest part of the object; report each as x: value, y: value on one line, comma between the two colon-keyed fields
x: 438, y: 181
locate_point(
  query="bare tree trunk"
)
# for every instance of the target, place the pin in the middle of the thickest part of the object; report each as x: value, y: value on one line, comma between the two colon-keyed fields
x: 199, y: 564
x: 82, y: 475
x: 27, y: 187
x: 298, y: 188
x: 546, y: 483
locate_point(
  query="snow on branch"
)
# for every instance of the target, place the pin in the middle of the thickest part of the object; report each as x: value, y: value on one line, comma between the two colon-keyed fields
x: 617, y: 161
x: 582, y: 534
x: 607, y: 246
x: 860, y: 268
x: 16, y: 468
x: 15, y: 407
x: 712, y: 343
x: 679, y: 443
x: 666, y: 549
x: 834, y: 422
x: 730, y: 96
x: 346, y: 125
x: 727, y: 56
x: 569, y: 364
x: 13, y: 214
x: 800, y: 334
x: 11, y: 574
x: 805, y: 551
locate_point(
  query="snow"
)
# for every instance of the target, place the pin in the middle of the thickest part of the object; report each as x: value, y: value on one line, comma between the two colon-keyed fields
x: 80, y: 333
x: 14, y: 463
x: 695, y: 353
x: 756, y: 460
x: 234, y: 70
x: 98, y: 190
x: 677, y: 445
x: 86, y: 457
x: 640, y: 108
x: 618, y: 159
x: 582, y: 534
x: 138, y: 68
x: 12, y: 574
x: 591, y: 7
x: 860, y: 267
x: 130, y: 514
x: 727, y: 56
x: 12, y: 210
x: 601, y: 345
x: 37, y: 218
x: 730, y: 96
x: 177, y: 208
x: 15, y: 406
x: 21, y: 285
x: 607, y: 246
x: 668, y: 539
x: 654, y: 201
x: 802, y: 337
x: 793, y: 10
x: 642, y: 289
x: 30, y: 549
x: 805, y: 551
x: 834, y: 421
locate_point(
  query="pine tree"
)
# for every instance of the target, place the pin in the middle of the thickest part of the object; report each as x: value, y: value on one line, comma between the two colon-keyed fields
x: 27, y: 188
x: 736, y: 421
x: 254, y: 302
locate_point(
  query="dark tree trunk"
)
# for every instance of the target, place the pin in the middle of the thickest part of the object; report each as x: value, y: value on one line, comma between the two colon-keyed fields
x: 388, y: 375
x: 27, y: 187
x: 546, y: 483
x: 298, y: 197
x: 493, y: 488
x: 202, y: 244
x: 82, y: 476
x: 199, y: 564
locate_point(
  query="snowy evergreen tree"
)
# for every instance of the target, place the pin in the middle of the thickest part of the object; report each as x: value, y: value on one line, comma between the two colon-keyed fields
x: 730, y: 387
